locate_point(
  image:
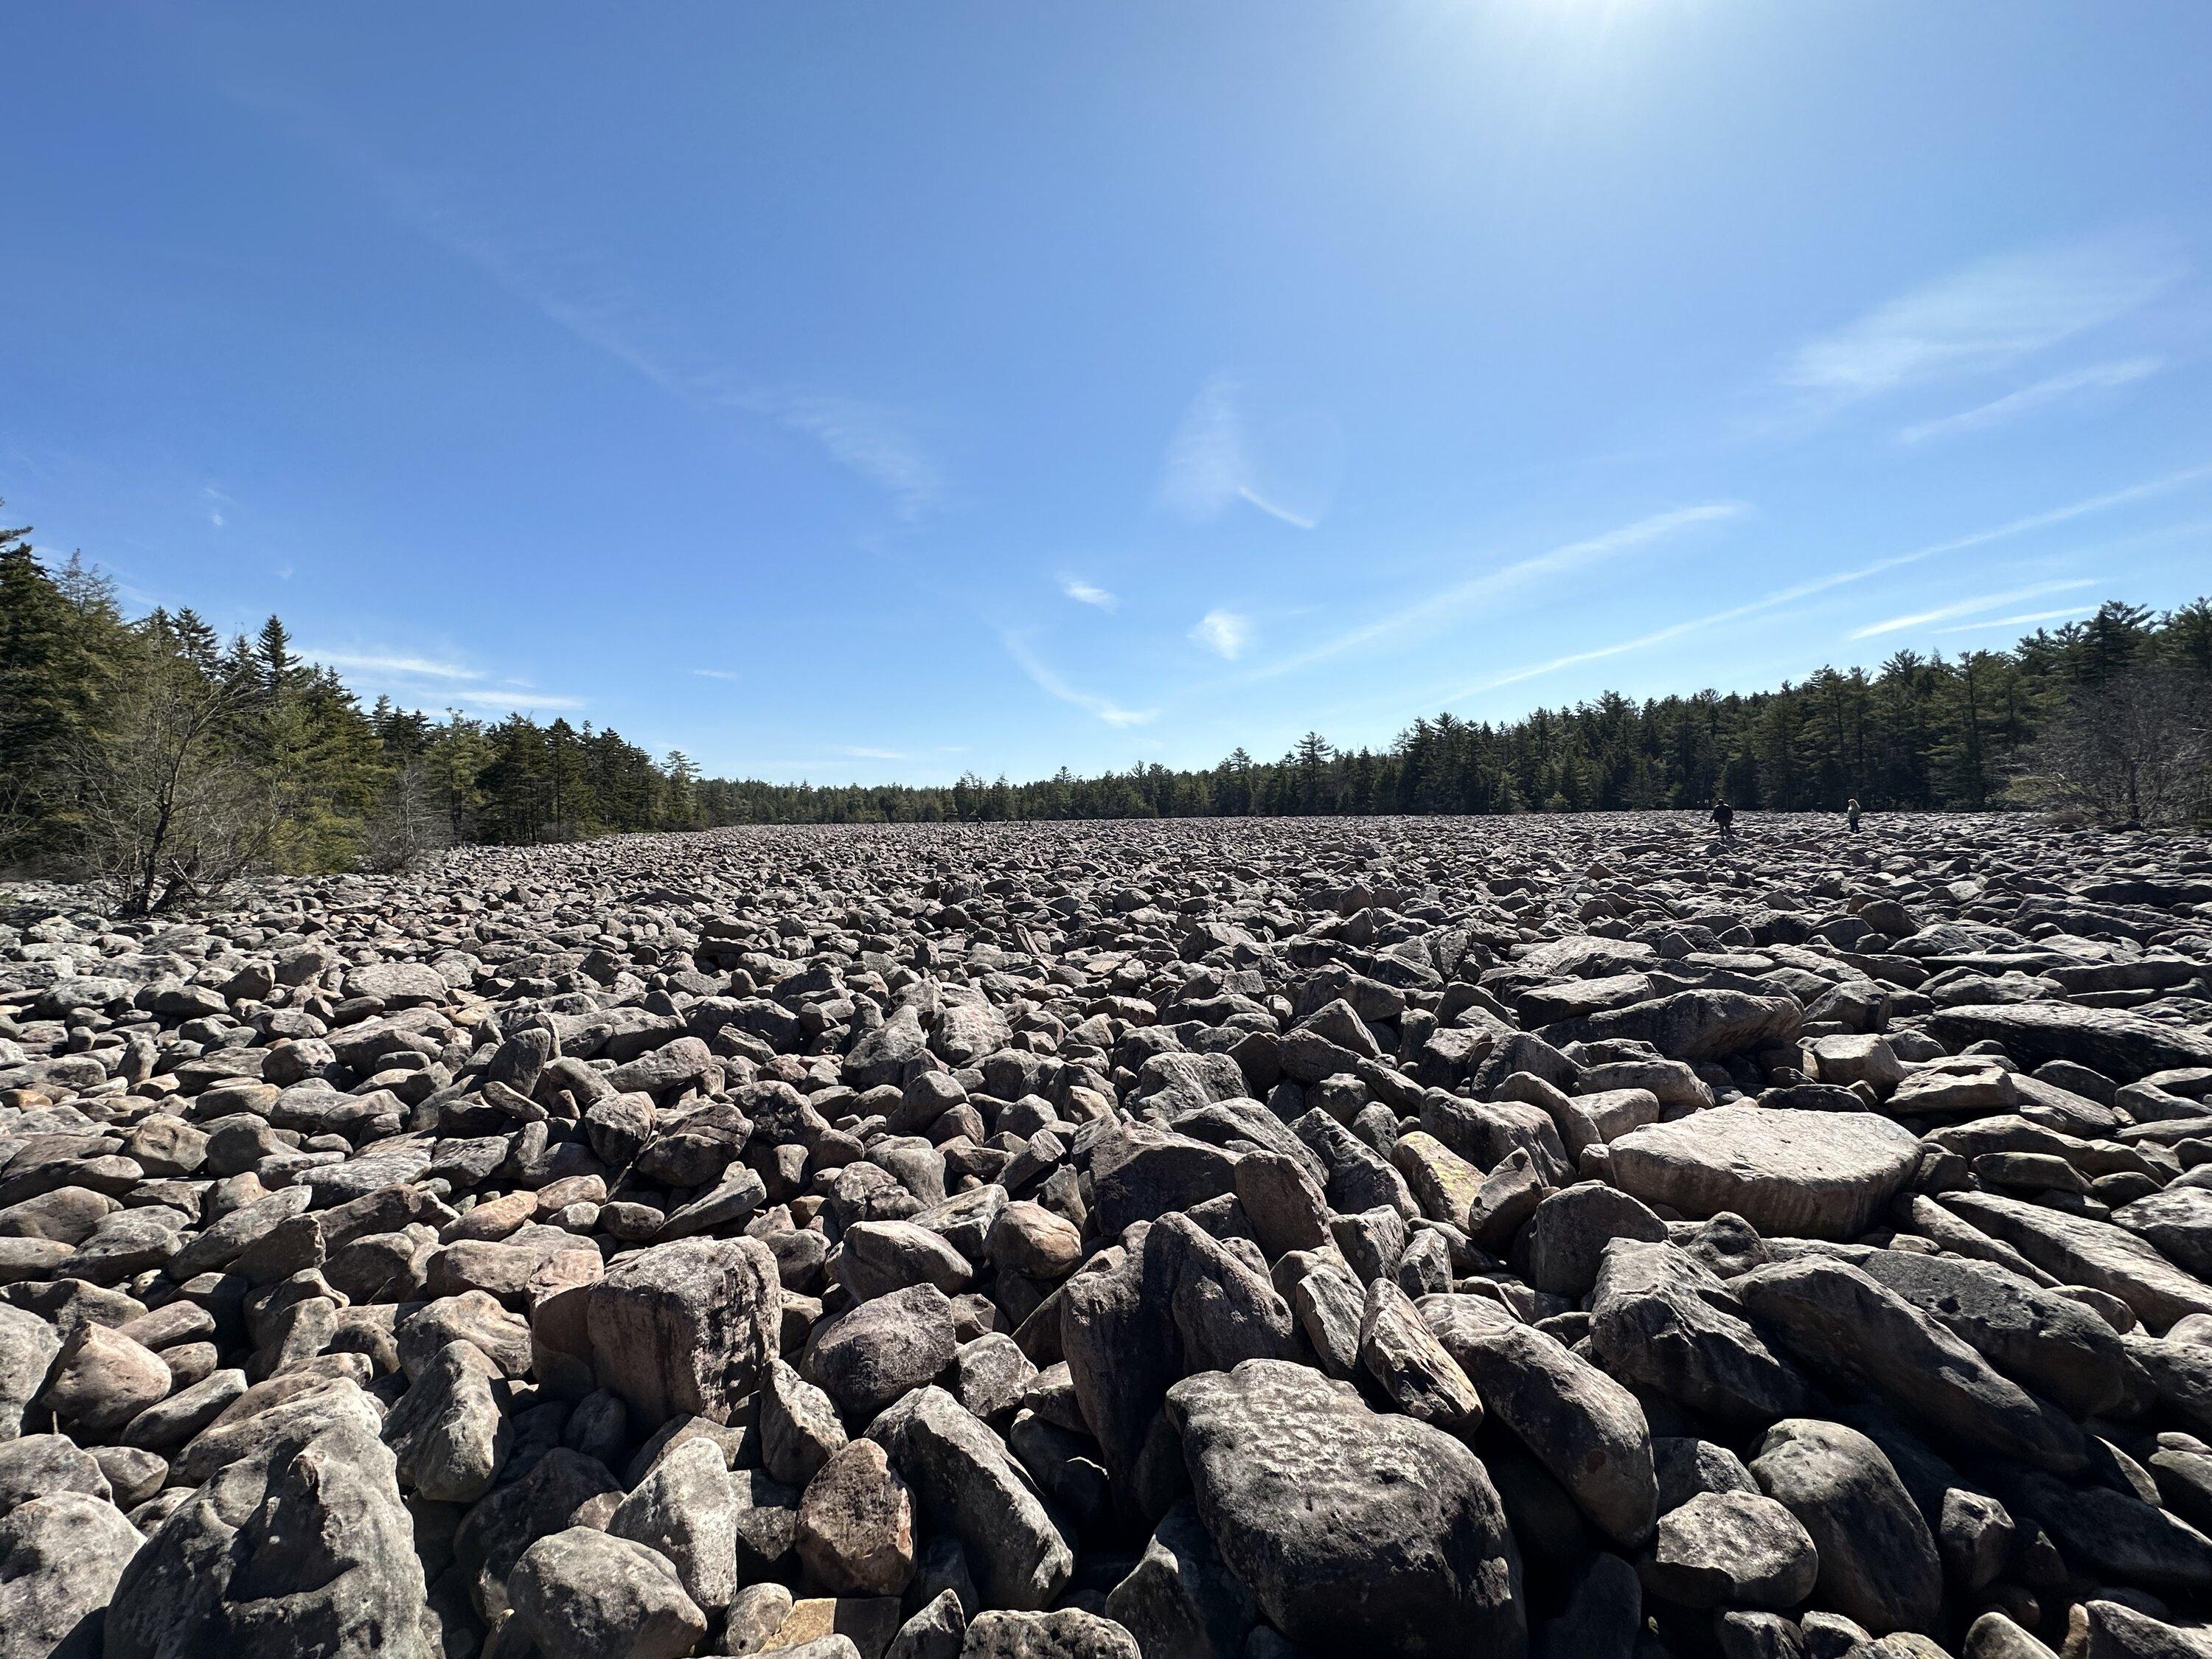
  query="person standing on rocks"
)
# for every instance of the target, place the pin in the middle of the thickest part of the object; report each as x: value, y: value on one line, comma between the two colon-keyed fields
x: 1724, y: 817
x: 1851, y: 813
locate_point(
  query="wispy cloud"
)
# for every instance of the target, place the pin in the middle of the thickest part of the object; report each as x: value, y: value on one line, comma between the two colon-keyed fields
x: 1563, y: 560
x: 871, y: 443
x: 1966, y: 608
x: 407, y: 668
x: 1985, y: 316
x: 1225, y: 633
x: 517, y: 702
x: 1049, y: 682
x: 1083, y: 592
x: 1210, y: 463
x: 1818, y: 585
x: 1252, y: 497
x: 2099, y: 377
x: 2021, y: 621
x: 717, y: 674
x: 414, y: 678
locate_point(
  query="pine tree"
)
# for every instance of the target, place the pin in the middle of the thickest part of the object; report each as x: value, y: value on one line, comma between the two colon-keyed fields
x: 63, y: 647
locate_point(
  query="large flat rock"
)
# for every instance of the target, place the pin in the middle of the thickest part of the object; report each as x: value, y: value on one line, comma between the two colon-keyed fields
x: 1809, y: 1175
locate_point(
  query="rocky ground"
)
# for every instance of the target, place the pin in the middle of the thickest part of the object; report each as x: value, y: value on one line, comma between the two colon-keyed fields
x: 1199, y: 1241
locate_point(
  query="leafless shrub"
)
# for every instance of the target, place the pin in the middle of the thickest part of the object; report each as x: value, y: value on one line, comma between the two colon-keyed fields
x: 407, y: 824
x: 2135, y: 750
x: 166, y: 813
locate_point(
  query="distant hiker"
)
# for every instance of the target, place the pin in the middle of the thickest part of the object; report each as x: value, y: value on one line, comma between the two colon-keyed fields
x: 1851, y: 811
x: 1724, y: 818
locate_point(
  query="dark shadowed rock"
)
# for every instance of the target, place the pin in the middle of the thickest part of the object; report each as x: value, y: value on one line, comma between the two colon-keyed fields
x: 1180, y: 1597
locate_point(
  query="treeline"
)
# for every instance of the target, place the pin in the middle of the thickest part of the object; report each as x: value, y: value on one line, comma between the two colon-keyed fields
x: 149, y: 754
x: 2105, y: 718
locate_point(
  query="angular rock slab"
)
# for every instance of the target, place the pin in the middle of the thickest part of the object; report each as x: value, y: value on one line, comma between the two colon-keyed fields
x: 1702, y: 1025
x: 2124, y: 1046
x: 1802, y: 1174
x: 1354, y: 1532
x: 971, y: 1486
x: 1851, y: 1329
x: 686, y: 1329
x: 1586, y: 1428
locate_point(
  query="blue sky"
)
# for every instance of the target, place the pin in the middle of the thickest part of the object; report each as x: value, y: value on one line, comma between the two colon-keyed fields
x: 879, y: 391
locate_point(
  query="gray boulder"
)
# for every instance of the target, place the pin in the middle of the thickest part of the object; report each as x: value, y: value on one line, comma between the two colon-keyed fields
x: 683, y: 1510
x: 43, y: 1464
x: 2123, y: 1046
x: 868, y: 1358
x: 1660, y: 1320
x: 1351, y: 1531
x: 2079, y: 1249
x: 1587, y: 1431
x: 60, y: 1558
x: 582, y: 1593
x: 448, y: 1431
x: 969, y: 1485
x: 1878, y: 1563
x: 1068, y: 1633
x: 1703, y: 1025
x: 856, y: 1532
x: 2043, y: 1341
x: 684, y: 1328
x: 1731, y: 1550
x: 1851, y: 1329
x: 307, y: 1548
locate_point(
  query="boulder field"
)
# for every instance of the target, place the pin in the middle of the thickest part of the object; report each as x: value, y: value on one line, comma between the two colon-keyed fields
x: 1570, y: 1237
